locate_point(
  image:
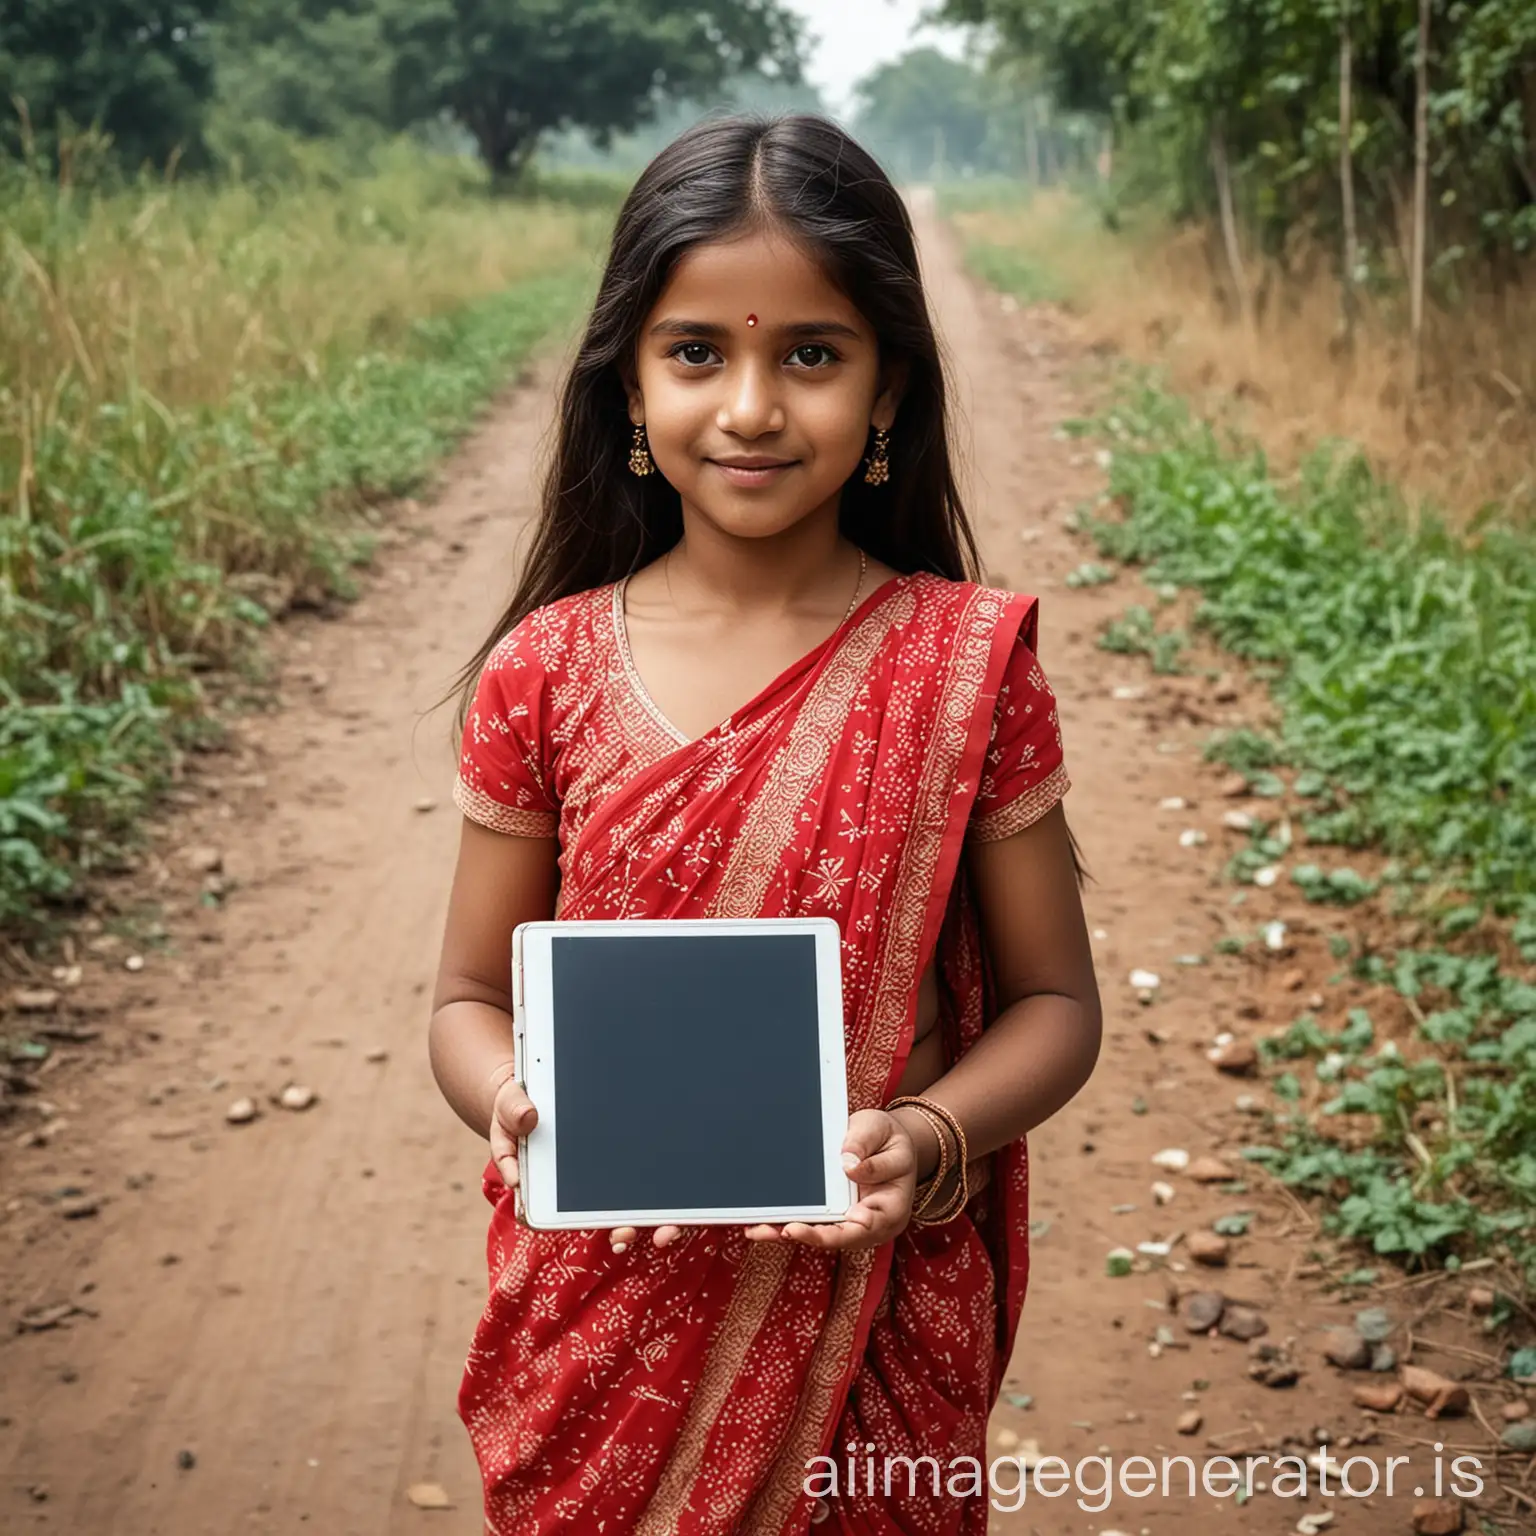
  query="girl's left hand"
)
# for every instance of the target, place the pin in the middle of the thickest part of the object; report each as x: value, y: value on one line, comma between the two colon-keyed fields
x: 884, y: 1166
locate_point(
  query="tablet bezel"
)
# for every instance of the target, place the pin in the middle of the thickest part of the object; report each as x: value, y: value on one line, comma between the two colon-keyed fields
x: 533, y: 1018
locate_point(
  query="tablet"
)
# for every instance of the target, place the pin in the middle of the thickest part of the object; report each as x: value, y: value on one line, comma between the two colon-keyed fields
x: 683, y: 1071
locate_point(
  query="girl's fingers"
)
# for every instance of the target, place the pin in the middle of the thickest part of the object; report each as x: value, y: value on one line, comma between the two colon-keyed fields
x: 620, y: 1238
x: 884, y: 1166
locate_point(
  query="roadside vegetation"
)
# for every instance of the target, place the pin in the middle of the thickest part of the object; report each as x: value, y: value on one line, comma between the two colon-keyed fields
x: 1399, y: 648
x: 206, y: 391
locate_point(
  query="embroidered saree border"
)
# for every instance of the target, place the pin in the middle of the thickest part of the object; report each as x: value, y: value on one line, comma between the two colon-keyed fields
x: 1024, y: 811
x: 479, y: 807
x: 897, y: 972
x: 755, y: 857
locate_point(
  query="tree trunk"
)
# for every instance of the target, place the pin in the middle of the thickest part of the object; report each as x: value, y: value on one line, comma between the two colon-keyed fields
x: 1229, y: 223
x: 1347, y: 172
x: 1420, y: 193
x: 1031, y: 143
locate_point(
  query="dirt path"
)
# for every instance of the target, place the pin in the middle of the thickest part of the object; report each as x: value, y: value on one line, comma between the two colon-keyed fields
x: 290, y: 1300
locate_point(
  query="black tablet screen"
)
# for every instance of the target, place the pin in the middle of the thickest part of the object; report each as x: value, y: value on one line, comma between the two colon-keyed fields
x: 687, y: 1072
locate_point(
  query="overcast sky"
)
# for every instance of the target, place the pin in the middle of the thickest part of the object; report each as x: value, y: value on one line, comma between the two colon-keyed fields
x: 852, y: 36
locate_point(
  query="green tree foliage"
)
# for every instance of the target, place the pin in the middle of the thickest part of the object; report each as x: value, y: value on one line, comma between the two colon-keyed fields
x: 1264, y: 74
x: 510, y: 71
x: 924, y: 113
x: 141, y: 70
x: 314, y: 67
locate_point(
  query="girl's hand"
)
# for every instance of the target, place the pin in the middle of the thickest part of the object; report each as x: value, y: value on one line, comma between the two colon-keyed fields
x: 512, y: 1115
x: 880, y: 1157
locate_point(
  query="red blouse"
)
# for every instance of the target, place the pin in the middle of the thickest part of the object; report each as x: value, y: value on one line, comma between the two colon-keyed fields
x: 560, y: 719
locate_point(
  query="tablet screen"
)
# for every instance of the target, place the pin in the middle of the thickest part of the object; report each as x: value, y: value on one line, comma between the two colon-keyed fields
x: 687, y: 1072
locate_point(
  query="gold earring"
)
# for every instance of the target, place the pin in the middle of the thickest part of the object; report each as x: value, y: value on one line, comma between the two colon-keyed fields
x: 640, y: 461
x: 877, y: 468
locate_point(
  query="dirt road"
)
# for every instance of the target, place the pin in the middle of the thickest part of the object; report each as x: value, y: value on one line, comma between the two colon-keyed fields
x: 272, y: 1316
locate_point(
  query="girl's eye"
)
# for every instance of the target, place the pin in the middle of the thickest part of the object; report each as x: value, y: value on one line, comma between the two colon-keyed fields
x: 814, y: 354
x: 695, y: 353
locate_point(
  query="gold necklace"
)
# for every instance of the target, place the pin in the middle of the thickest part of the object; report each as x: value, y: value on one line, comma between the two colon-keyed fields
x: 863, y: 566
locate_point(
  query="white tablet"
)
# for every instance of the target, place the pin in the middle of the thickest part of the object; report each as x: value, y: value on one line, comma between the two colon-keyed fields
x: 683, y: 1071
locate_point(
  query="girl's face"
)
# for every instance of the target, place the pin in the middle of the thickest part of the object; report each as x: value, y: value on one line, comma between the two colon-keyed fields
x: 757, y: 383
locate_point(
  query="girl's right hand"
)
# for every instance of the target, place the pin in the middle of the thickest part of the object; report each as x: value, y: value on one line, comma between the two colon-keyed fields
x: 512, y: 1115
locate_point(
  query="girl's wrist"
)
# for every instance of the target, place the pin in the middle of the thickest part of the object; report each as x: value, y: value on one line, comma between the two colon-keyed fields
x: 925, y: 1140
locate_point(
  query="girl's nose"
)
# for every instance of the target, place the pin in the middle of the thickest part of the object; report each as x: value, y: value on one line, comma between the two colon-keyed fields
x: 750, y: 406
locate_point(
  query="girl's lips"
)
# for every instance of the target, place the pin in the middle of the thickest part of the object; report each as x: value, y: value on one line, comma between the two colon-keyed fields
x: 740, y: 474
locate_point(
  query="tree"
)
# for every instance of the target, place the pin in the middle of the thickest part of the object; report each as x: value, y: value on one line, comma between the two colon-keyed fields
x: 510, y: 71
x: 141, y: 70
x: 319, y: 68
x: 924, y: 112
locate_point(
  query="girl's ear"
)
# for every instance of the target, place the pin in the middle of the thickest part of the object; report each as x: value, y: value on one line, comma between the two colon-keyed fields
x: 634, y: 401
x: 893, y: 387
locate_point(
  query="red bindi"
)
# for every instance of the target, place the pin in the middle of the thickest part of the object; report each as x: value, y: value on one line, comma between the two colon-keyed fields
x: 751, y: 319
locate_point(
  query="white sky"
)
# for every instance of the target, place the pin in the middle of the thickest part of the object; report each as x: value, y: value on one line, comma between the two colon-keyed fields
x: 850, y: 37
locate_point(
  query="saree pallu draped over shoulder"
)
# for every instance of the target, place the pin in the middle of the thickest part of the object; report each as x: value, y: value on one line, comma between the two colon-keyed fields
x: 687, y: 1391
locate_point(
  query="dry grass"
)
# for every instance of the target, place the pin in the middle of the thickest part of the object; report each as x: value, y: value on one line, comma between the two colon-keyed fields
x: 1466, y: 440
x: 190, y: 293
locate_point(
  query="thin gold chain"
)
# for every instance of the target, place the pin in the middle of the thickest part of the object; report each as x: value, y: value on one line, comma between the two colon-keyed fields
x: 863, y: 567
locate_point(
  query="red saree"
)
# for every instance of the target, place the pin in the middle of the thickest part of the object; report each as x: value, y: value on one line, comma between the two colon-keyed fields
x: 687, y: 1390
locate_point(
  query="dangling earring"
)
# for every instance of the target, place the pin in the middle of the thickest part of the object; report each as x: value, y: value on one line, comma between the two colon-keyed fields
x: 640, y: 461
x: 877, y: 468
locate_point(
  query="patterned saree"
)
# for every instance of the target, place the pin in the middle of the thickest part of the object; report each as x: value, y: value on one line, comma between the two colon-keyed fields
x: 686, y: 1391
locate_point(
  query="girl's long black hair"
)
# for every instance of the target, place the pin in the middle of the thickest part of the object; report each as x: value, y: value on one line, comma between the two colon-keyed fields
x: 802, y: 176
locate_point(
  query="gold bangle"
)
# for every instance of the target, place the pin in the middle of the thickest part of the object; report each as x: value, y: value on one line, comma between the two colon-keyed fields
x: 952, y: 1208
x: 922, y: 1195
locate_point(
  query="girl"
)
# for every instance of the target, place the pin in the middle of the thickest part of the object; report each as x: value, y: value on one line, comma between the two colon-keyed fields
x: 747, y: 673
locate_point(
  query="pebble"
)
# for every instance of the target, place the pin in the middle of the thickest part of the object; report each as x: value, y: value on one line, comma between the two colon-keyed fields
x: 134, y: 963
x: 1378, y: 1396
x: 1516, y: 1411
x: 1211, y: 1170
x: 1208, y: 1248
x: 186, y: 1460
x: 78, y: 1206
x: 425, y: 804
x: 1171, y: 1160
x: 376, y: 1055
x: 1173, y: 803
x: 1520, y: 1436
x: 1192, y: 837
x: 1383, y: 1358
x: 1146, y: 981
x: 1240, y: 1057
x: 1373, y: 1323
x: 1234, y: 786
x: 1346, y: 1349
x: 241, y: 1112
x: 428, y: 1496
x: 1243, y: 1324
x: 1482, y: 1299
x: 1226, y: 693
x: 205, y: 861
x: 1163, y: 1193
x: 1266, y: 877
x: 1275, y: 939
x: 1190, y: 1421
x: 1126, y: 693
x: 1439, y: 1394
x: 1437, y: 1517
x: 1237, y: 821
x: 1200, y: 1311
x: 296, y: 1096
x: 1004, y: 1439
x: 35, y: 1000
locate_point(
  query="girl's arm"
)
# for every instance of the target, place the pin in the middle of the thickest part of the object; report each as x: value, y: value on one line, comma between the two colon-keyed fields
x: 1042, y: 1046
x: 500, y: 882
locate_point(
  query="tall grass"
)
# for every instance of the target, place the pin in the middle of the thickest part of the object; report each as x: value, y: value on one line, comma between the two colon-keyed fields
x: 202, y: 389
x: 1466, y: 438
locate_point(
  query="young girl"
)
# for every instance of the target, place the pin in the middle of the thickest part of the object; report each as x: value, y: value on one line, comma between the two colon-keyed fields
x: 748, y: 674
